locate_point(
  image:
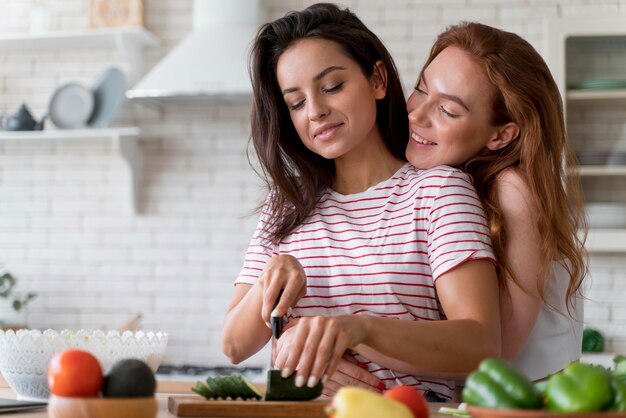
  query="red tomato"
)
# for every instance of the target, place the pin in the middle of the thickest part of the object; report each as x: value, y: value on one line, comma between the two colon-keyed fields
x: 75, y: 373
x: 410, y: 397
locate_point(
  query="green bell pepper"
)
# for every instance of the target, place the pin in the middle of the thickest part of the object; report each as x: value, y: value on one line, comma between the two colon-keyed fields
x: 579, y: 388
x: 541, y: 387
x: 497, y: 384
x: 619, y: 390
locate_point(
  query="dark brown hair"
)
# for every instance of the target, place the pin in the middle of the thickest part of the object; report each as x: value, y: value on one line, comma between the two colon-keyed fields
x: 525, y: 93
x: 295, y: 175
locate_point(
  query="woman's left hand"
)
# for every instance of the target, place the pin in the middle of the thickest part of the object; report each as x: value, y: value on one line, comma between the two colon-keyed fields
x: 350, y: 373
x: 314, y: 346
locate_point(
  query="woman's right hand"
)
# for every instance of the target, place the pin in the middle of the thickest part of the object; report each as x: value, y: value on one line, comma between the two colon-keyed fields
x: 282, y: 272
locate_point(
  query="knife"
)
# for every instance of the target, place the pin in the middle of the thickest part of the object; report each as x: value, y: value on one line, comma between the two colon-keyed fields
x: 277, y: 323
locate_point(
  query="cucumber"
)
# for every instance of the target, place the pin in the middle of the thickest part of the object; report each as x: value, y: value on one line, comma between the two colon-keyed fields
x: 250, y: 391
x: 203, y: 390
x: 214, y: 387
x: 235, y: 387
x: 223, y: 387
x: 232, y: 388
x: 281, y: 389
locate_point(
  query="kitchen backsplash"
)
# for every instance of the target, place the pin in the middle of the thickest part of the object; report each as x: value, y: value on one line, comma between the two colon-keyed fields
x: 65, y: 231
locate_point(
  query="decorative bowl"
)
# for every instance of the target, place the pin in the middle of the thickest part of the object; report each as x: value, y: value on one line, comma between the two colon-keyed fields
x: 25, y: 354
x: 62, y: 407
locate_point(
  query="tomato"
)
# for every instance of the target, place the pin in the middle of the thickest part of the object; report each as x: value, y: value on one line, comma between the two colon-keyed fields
x: 75, y: 373
x: 410, y: 397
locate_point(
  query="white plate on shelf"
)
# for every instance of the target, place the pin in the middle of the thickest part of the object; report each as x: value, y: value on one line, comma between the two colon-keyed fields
x: 109, y: 93
x: 71, y: 106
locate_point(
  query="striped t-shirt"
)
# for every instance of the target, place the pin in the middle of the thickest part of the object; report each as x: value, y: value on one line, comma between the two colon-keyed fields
x: 380, y: 251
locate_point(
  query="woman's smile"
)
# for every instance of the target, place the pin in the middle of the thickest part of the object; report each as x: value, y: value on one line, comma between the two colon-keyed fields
x: 421, y: 141
x: 327, y: 132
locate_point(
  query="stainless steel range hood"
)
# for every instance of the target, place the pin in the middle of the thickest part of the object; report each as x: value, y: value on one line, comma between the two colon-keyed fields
x: 210, y: 65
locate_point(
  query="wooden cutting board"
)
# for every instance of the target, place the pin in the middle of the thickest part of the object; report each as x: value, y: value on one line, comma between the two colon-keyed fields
x: 196, y: 406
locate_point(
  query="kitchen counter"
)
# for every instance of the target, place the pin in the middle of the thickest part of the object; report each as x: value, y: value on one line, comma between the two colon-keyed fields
x: 165, y: 388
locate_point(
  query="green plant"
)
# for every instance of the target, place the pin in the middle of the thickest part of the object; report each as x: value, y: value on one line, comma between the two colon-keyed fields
x: 7, y: 283
x: 593, y: 341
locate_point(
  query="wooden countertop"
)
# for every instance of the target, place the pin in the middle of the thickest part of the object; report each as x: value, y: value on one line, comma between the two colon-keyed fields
x: 165, y: 388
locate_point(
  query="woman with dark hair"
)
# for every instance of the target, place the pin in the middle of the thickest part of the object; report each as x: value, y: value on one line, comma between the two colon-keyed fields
x: 363, y: 253
x: 485, y: 101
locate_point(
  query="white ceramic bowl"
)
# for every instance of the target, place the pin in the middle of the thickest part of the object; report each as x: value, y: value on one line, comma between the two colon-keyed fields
x: 25, y: 354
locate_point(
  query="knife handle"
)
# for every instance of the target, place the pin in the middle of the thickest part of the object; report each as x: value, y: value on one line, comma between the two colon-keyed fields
x: 277, y: 322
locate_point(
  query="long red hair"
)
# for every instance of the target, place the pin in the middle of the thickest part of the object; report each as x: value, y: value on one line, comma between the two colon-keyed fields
x: 525, y: 93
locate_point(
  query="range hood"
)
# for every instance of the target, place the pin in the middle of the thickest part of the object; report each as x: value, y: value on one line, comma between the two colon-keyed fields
x: 209, y: 66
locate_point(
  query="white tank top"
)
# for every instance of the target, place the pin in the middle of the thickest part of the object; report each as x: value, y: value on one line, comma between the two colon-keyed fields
x: 556, y: 339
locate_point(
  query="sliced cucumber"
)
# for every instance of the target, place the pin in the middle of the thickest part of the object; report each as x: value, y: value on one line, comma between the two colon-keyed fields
x: 215, y: 390
x: 249, y: 389
x: 232, y: 387
x: 281, y: 389
x: 203, y: 390
x: 224, y: 387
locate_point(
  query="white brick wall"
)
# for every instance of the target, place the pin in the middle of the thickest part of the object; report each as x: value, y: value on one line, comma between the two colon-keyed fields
x: 64, y: 230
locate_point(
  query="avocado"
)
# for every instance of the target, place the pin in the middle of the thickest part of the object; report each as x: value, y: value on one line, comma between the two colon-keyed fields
x: 129, y: 378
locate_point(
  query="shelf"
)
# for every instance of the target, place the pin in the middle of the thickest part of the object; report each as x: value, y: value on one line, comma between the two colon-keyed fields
x: 69, y: 134
x: 557, y: 32
x: 124, y: 140
x: 606, y: 241
x: 600, y: 170
x: 580, y: 95
x: 88, y: 38
x: 130, y: 41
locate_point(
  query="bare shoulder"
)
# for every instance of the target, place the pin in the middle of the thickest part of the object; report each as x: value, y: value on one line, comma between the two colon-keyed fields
x: 514, y: 195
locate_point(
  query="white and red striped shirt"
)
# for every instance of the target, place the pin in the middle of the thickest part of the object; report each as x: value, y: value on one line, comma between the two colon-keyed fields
x: 380, y: 251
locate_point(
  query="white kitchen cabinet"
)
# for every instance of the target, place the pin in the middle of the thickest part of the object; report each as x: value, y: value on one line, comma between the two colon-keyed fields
x: 587, y: 57
x: 124, y: 140
x: 130, y: 41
